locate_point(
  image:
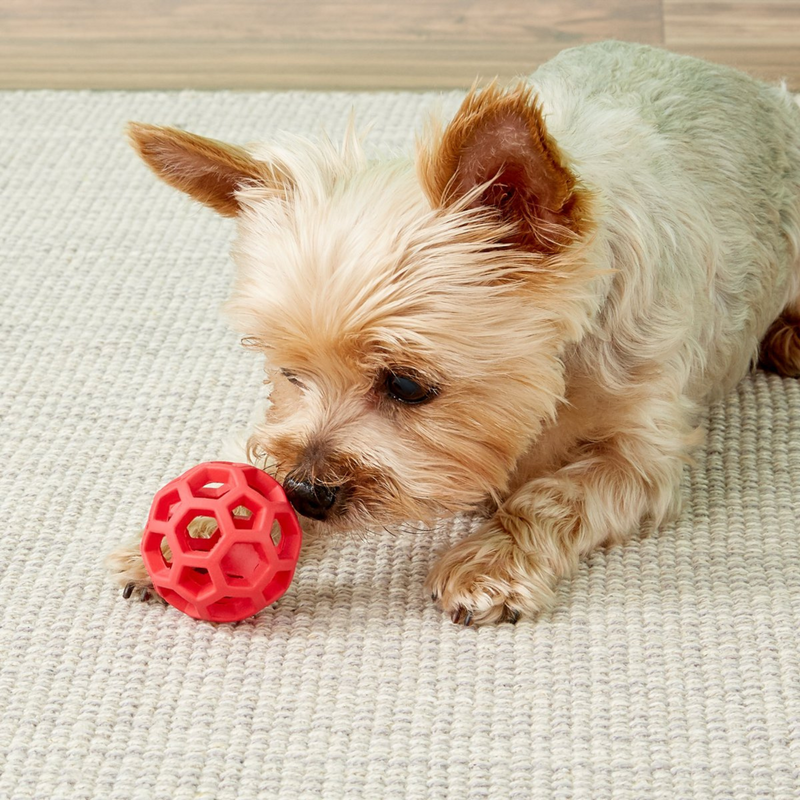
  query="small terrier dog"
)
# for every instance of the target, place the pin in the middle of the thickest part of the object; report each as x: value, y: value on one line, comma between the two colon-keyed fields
x: 524, y: 320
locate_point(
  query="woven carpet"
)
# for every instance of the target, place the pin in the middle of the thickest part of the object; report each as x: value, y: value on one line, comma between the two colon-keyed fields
x: 670, y: 667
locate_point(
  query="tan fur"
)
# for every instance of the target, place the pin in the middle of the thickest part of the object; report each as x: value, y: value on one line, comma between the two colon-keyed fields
x: 571, y: 270
x: 210, y: 171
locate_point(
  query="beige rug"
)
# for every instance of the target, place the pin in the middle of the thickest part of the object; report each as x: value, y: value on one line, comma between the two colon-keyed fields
x: 669, y: 669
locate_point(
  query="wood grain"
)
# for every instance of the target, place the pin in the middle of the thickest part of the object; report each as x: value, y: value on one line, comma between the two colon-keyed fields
x: 364, y: 44
x: 353, y: 20
x: 360, y: 44
x: 720, y: 22
x: 762, y: 38
x: 304, y: 65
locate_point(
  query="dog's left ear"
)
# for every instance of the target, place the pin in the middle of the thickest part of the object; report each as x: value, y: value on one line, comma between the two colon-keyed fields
x: 496, y: 153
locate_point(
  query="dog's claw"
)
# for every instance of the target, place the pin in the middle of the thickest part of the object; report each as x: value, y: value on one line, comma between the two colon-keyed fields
x: 143, y: 592
x: 462, y: 617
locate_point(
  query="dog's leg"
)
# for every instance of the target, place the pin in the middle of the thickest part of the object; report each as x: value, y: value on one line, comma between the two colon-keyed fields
x: 780, y: 348
x: 631, y: 471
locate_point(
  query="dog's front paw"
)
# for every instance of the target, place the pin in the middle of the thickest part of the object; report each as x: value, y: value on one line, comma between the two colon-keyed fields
x: 128, y: 571
x: 487, y: 578
x: 127, y: 566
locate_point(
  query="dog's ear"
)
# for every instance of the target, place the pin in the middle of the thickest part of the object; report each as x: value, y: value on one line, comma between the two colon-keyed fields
x: 496, y: 153
x: 207, y: 170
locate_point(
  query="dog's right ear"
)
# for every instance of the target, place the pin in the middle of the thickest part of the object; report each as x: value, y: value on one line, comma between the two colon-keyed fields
x: 496, y: 153
x: 209, y: 171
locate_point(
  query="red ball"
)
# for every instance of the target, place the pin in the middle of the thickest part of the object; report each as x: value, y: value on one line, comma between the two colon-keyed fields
x: 249, y: 557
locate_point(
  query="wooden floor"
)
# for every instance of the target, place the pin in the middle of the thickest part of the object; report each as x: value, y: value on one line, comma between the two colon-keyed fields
x: 364, y: 44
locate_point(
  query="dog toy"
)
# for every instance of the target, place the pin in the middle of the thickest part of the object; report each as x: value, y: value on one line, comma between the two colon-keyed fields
x: 233, y: 540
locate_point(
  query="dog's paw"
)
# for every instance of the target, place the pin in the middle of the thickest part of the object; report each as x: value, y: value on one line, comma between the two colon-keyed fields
x: 487, y: 579
x: 127, y: 567
x: 128, y: 571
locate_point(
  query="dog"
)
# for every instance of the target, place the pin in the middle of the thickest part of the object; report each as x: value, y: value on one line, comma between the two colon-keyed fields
x: 525, y: 320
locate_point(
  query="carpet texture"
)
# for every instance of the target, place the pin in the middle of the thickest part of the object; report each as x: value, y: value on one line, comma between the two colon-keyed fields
x: 670, y: 667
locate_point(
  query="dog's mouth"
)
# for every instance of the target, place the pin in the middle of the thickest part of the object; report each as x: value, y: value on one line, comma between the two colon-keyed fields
x: 346, y: 494
x: 354, y: 506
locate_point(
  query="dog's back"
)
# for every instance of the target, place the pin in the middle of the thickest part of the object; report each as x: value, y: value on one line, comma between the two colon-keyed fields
x: 697, y: 169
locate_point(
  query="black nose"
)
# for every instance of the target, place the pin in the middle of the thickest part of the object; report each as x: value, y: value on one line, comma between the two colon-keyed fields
x: 313, y: 500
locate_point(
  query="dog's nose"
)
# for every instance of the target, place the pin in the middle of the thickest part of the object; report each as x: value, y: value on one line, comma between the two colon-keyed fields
x: 313, y: 500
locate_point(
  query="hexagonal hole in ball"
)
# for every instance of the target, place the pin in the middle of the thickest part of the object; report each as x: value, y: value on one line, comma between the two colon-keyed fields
x: 275, y: 534
x: 196, y: 579
x: 241, y: 563
x: 164, y: 505
x: 209, y: 481
x: 166, y: 552
x: 278, y: 585
x: 212, y: 489
x: 203, y: 533
x: 232, y: 609
x: 156, y: 544
x: 285, y: 536
x: 243, y: 518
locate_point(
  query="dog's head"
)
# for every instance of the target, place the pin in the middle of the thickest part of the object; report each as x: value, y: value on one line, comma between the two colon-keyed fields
x: 412, y: 319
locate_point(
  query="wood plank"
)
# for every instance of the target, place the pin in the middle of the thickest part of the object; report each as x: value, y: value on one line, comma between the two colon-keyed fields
x: 760, y: 37
x: 326, y: 66
x: 303, y: 65
x: 352, y: 20
x: 722, y: 22
x: 267, y: 44
x: 770, y: 64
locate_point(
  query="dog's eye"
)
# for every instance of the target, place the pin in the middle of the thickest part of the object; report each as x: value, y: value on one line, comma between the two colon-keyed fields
x: 407, y: 390
x: 292, y: 378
